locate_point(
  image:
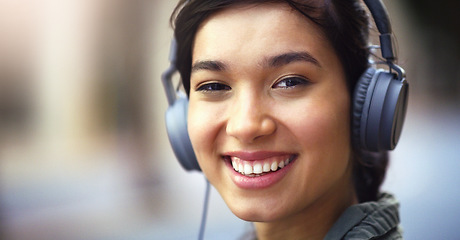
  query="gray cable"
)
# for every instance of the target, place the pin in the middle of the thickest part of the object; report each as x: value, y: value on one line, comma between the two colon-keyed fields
x: 205, y: 210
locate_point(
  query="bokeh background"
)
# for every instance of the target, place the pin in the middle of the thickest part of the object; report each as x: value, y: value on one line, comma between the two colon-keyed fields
x: 83, y: 148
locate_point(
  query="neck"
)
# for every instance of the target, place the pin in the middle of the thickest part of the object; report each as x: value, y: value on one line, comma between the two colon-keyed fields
x: 314, y: 221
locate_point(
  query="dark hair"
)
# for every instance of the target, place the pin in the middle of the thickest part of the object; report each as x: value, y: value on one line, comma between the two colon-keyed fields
x: 344, y: 23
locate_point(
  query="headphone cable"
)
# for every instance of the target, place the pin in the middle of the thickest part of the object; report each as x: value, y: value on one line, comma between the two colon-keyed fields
x: 205, y: 210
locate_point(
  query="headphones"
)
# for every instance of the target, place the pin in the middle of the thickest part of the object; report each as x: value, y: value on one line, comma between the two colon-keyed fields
x: 378, y: 109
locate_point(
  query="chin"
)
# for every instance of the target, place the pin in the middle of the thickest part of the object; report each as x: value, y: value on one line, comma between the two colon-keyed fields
x: 254, y: 216
x: 257, y: 211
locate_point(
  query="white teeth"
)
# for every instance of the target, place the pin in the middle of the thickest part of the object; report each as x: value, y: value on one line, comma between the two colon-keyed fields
x: 247, y: 169
x: 257, y: 168
x: 281, y: 164
x: 266, y: 167
x: 235, y: 166
x: 274, y: 166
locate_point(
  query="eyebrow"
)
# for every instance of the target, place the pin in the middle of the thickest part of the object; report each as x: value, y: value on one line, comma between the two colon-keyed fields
x: 216, y: 66
x: 273, y: 62
x: 287, y: 58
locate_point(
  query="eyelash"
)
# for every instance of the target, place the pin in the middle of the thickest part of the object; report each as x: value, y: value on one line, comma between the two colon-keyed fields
x: 291, y: 82
x: 213, y: 87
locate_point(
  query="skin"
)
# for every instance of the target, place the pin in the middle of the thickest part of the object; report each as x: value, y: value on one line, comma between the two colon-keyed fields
x: 241, y: 101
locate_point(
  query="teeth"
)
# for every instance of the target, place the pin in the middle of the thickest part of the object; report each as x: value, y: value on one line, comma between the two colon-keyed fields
x: 281, y: 164
x: 287, y: 161
x: 274, y: 166
x: 257, y: 168
x: 246, y: 168
x: 266, y: 167
x: 235, y: 165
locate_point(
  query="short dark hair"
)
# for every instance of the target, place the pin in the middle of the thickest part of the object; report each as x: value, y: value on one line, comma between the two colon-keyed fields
x: 343, y: 22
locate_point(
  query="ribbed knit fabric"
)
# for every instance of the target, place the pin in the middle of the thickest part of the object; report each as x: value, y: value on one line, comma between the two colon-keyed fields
x: 370, y: 220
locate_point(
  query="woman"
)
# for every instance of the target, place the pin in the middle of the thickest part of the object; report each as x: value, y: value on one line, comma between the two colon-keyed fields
x: 270, y: 86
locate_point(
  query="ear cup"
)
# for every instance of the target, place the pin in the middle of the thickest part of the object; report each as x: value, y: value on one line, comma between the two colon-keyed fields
x: 176, y: 125
x: 359, y: 113
x: 379, y: 107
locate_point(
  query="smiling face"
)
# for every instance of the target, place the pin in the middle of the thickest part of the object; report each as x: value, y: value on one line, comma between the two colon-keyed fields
x: 269, y: 113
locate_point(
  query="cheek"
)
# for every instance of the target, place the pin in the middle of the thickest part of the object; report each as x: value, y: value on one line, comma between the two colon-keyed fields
x: 331, y: 126
x: 203, y: 128
x: 196, y: 129
x: 323, y: 127
x: 322, y: 133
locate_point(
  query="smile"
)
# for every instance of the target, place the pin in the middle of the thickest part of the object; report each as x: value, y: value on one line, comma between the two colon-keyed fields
x: 259, y: 168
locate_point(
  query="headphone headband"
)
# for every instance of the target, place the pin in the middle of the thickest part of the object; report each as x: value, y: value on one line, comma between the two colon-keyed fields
x: 379, y: 13
x: 166, y: 77
x: 382, y: 21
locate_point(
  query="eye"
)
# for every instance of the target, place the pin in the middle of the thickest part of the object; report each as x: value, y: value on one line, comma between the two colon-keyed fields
x: 291, y: 82
x: 213, y: 87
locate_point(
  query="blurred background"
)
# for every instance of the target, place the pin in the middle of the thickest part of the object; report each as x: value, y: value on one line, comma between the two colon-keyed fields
x: 83, y: 148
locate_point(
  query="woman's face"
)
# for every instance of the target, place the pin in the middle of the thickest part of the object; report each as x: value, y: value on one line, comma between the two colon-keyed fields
x: 269, y: 112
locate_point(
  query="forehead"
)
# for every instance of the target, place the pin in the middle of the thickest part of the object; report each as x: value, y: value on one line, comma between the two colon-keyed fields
x: 267, y: 27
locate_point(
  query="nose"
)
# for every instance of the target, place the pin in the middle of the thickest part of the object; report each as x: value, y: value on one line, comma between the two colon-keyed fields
x: 250, y: 119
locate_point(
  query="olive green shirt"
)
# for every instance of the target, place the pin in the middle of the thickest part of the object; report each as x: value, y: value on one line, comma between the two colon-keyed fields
x: 370, y: 220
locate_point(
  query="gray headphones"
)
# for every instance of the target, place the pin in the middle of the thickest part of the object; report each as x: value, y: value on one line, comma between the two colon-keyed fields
x: 379, y: 101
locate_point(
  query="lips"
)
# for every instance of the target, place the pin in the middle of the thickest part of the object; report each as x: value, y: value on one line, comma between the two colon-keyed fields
x: 255, y: 170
